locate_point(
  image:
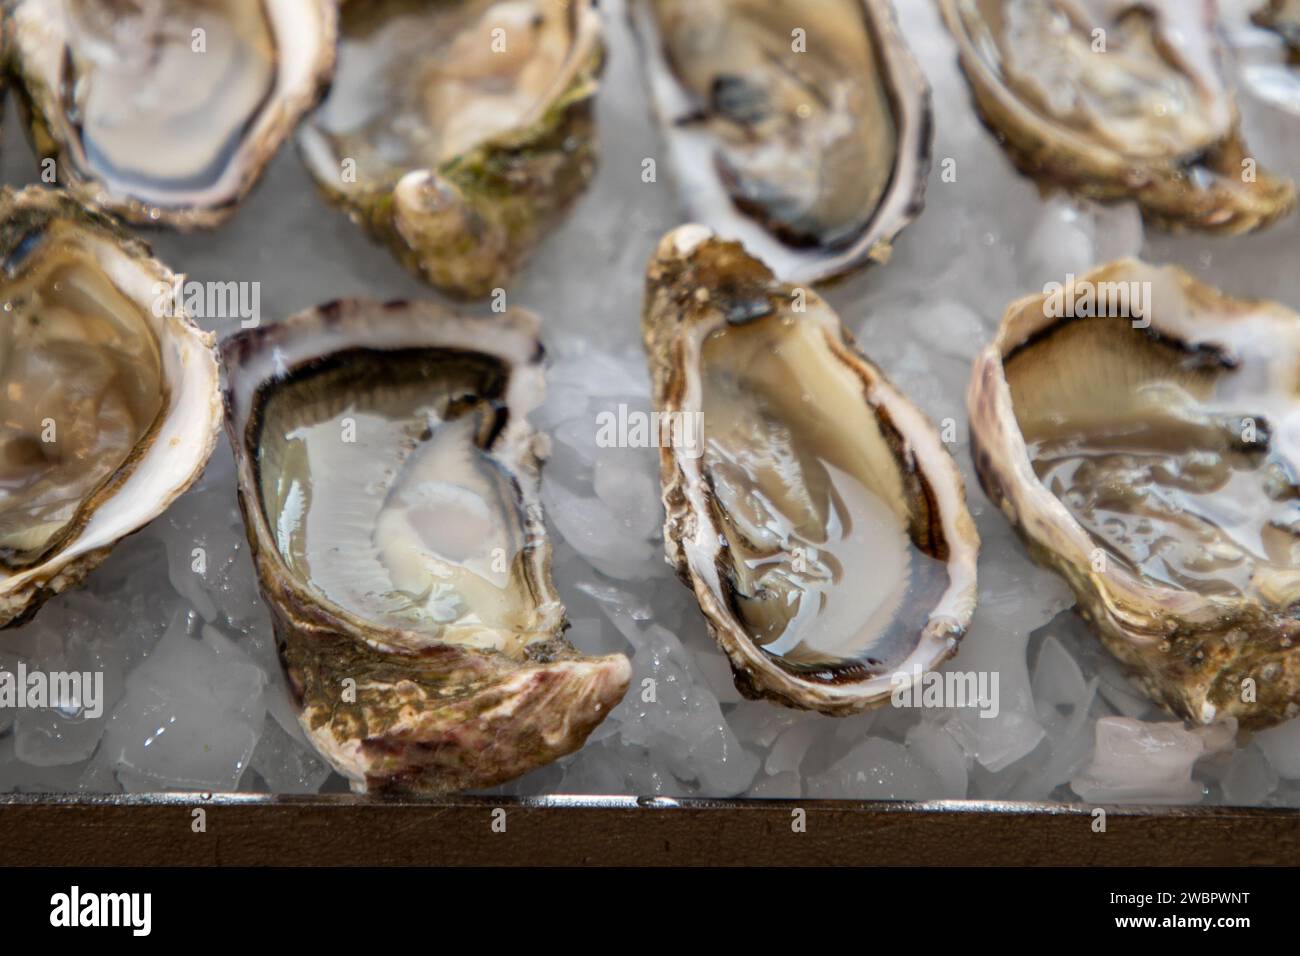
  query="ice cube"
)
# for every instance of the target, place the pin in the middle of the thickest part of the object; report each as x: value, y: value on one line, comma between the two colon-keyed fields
x: 190, y: 717
x: 1136, y: 762
x: 876, y: 769
x: 287, y: 765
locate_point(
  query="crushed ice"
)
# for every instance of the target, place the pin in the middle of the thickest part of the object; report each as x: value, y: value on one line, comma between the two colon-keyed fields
x: 194, y: 696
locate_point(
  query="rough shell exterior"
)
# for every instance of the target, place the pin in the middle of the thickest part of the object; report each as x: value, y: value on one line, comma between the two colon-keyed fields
x: 1167, y: 192
x: 468, y: 226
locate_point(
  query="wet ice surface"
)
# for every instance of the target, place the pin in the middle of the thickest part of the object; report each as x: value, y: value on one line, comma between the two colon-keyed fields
x: 194, y: 698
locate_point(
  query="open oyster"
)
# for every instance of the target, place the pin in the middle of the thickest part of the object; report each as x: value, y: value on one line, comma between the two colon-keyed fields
x: 1117, y: 100
x: 1283, y: 17
x: 1142, y: 431
x: 166, y: 112
x: 388, y: 480
x: 109, y: 404
x: 459, y: 130
x: 800, y: 128
x: 810, y: 506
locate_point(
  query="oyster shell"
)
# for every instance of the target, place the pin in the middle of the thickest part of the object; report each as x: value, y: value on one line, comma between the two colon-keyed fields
x: 1142, y: 432
x: 1283, y: 17
x: 166, y: 112
x: 1118, y: 100
x: 810, y: 506
x: 459, y: 131
x: 388, y: 481
x: 109, y: 406
x: 800, y: 128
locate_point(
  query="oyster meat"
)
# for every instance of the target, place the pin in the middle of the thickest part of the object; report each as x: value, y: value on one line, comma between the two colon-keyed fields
x: 1142, y: 432
x: 1118, y: 100
x: 800, y: 128
x: 109, y: 405
x: 810, y: 506
x: 166, y: 112
x: 388, y: 481
x: 459, y: 130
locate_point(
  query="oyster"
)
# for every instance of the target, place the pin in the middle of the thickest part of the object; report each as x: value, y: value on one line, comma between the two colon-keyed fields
x: 800, y: 128
x: 388, y: 481
x: 459, y: 131
x: 1118, y: 100
x: 1142, y: 432
x: 166, y: 112
x: 1283, y: 17
x: 810, y: 506
x: 109, y: 405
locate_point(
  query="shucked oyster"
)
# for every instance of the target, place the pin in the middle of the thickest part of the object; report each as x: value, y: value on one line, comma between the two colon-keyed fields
x: 388, y: 480
x: 815, y: 512
x: 459, y: 130
x: 1118, y: 100
x: 1142, y: 431
x: 800, y: 128
x: 109, y: 406
x: 166, y: 110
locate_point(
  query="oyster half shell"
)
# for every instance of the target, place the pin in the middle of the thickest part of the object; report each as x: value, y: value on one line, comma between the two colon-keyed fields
x: 388, y: 481
x: 1118, y: 100
x: 109, y: 405
x: 166, y: 112
x: 810, y: 506
x: 458, y: 131
x: 1142, y: 432
x: 800, y: 128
